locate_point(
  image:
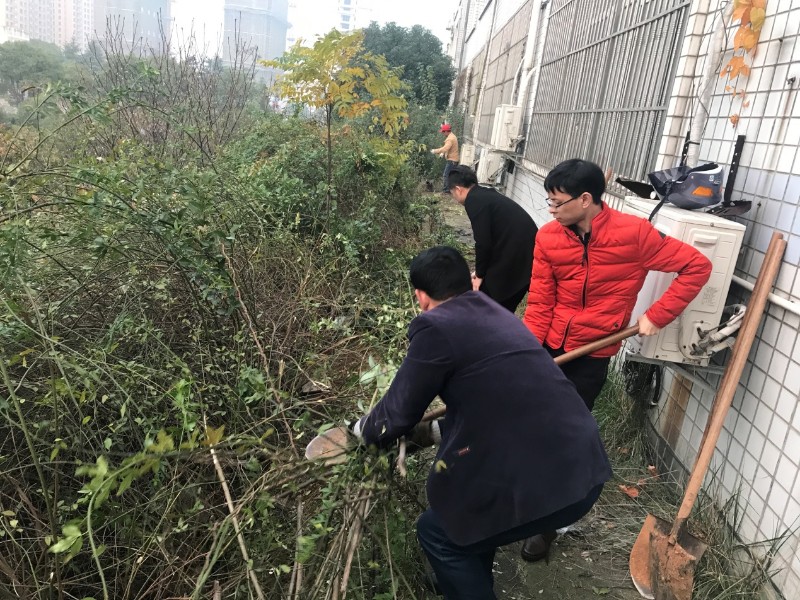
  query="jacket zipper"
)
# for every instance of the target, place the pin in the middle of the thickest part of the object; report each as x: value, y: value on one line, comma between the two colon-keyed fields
x: 586, y: 278
x: 584, y: 261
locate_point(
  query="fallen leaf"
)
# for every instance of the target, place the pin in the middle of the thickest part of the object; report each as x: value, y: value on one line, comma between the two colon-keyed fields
x: 734, y: 119
x: 641, y: 482
x: 629, y: 491
x: 746, y: 104
x: 600, y: 591
x: 610, y: 525
x: 624, y: 451
x: 653, y: 471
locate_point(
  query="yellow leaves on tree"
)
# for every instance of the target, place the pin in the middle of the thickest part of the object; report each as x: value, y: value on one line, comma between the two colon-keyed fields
x: 338, y: 76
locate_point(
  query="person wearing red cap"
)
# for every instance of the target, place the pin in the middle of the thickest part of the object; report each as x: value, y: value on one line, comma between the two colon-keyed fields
x: 450, y: 152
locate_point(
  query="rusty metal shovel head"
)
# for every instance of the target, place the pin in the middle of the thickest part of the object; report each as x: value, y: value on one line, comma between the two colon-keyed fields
x: 663, y: 569
x: 330, y: 448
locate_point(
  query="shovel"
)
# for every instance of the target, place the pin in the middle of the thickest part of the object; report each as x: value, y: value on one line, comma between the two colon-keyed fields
x: 330, y: 447
x: 664, y: 556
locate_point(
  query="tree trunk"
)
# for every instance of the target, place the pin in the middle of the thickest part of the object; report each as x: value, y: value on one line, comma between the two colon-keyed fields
x: 328, y: 117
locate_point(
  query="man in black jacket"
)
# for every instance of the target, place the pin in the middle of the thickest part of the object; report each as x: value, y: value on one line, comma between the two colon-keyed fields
x: 504, y: 237
x: 519, y: 454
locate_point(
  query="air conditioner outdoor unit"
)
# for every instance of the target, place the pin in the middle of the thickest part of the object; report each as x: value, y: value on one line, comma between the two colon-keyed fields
x: 505, y: 128
x: 490, y: 166
x: 467, y: 154
x: 719, y: 240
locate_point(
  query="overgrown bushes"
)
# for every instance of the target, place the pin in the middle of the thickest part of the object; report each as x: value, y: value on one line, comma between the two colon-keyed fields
x: 179, y: 315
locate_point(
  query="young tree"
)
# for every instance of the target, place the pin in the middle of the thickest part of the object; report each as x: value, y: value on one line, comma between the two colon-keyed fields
x: 338, y: 75
x: 24, y: 64
x: 426, y: 68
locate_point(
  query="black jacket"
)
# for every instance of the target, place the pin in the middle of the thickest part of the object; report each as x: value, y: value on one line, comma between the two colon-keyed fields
x: 518, y: 443
x: 504, y: 237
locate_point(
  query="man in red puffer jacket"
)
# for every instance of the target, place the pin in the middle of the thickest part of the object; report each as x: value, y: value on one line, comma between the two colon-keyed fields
x: 589, y: 264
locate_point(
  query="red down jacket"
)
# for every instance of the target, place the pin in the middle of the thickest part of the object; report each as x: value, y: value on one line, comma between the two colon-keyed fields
x: 579, y: 293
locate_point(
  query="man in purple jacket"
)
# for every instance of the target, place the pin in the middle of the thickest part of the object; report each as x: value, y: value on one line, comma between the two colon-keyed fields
x: 519, y: 455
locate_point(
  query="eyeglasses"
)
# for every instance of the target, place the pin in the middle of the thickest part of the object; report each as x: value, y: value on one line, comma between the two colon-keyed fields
x: 556, y: 205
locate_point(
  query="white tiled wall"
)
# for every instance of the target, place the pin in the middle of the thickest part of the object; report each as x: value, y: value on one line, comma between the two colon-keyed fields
x: 759, y: 451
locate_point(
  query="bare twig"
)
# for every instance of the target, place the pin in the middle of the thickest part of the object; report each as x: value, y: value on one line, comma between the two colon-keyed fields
x: 254, y: 335
x: 239, y: 537
x: 296, y: 582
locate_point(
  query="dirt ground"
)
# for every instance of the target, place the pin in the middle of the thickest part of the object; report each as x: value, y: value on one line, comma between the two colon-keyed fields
x: 588, y: 562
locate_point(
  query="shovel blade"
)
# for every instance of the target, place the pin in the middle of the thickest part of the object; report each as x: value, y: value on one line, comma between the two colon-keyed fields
x: 639, y: 561
x: 663, y: 569
x: 330, y: 448
x: 672, y: 563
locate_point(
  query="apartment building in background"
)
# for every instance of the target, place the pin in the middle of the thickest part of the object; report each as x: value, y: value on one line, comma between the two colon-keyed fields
x: 141, y: 21
x: 307, y: 19
x: 260, y: 24
x: 77, y: 22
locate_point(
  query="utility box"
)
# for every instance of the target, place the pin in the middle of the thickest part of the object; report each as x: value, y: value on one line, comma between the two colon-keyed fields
x: 490, y: 167
x: 505, y: 129
x: 720, y: 241
x: 467, y: 155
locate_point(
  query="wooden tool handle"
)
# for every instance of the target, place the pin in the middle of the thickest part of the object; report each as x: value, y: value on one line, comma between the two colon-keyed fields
x: 560, y: 360
x: 730, y: 379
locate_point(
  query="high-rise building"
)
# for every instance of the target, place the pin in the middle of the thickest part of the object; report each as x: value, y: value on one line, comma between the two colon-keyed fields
x: 353, y: 14
x: 141, y: 21
x: 259, y: 24
x: 60, y: 22
x: 308, y: 19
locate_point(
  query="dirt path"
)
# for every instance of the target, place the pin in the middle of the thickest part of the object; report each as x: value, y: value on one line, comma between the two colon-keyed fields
x: 589, y: 562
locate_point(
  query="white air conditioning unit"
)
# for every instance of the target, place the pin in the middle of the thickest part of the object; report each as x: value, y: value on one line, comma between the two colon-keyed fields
x: 719, y: 240
x: 467, y: 155
x: 505, y: 128
x: 490, y: 167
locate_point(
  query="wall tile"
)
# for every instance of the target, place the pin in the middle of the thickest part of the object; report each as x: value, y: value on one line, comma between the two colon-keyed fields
x: 787, y: 403
x: 778, y: 431
x: 792, y: 381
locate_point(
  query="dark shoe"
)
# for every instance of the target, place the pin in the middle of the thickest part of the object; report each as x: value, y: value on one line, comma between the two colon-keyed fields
x: 537, y: 547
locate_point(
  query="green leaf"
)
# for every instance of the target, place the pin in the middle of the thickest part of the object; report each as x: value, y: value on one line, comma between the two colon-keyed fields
x: 214, y: 436
x: 601, y: 591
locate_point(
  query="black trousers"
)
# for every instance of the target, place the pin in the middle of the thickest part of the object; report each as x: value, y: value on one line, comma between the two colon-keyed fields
x: 587, y: 373
x: 512, y: 302
x: 465, y: 572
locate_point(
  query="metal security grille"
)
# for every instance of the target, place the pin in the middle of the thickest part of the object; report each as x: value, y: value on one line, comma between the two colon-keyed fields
x: 605, y: 80
x: 506, y: 52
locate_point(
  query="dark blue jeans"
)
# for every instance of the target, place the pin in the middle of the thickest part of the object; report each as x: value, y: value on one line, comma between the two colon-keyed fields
x: 465, y: 572
x: 448, y: 166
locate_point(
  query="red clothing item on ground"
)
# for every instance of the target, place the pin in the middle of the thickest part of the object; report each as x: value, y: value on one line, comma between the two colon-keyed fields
x: 580, y: 293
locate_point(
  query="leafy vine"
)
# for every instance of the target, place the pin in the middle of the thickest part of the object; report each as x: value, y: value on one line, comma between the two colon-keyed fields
x: 751, y: 15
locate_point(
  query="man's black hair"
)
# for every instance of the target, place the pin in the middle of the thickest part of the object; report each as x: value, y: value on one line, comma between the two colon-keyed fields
x: 463, y: 176
x: 576, y: 176
x: 441, y: 272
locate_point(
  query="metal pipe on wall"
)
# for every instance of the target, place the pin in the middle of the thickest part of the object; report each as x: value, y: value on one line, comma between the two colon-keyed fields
x: 792, y: 307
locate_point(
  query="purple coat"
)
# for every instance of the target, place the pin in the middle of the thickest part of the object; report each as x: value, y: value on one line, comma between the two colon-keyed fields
x: 518, y: 443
